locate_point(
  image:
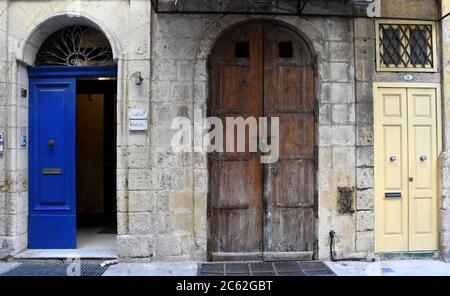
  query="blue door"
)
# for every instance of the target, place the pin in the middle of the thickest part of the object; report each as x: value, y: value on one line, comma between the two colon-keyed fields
x: 52, y: 164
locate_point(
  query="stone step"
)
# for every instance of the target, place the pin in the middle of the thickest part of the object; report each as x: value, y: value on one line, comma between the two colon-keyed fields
x: 4, y: 253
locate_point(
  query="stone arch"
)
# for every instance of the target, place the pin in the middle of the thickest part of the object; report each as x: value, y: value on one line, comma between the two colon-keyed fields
x: 29, y: 46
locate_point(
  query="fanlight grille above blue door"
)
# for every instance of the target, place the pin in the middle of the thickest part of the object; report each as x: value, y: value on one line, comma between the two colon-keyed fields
x: 76, y: 46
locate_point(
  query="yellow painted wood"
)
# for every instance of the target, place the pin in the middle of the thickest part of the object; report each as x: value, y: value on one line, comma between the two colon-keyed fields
x: 391, y: 223
x: 422, y: 143
x: 407, y: 126
x: 380, y: 67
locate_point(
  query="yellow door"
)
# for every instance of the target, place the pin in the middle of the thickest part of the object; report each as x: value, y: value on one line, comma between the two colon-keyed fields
x: 391, y: 169
x: 406, y: 179
x: 423, y: 166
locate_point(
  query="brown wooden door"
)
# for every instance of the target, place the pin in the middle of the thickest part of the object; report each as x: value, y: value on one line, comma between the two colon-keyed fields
x: 263, y: 211
x: 290, y: 183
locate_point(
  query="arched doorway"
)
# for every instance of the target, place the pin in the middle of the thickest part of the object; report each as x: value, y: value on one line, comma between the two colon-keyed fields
x: 264, y: 211
x: 72, y: 146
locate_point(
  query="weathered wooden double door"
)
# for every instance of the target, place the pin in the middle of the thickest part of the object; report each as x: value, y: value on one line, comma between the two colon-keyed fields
x: 263, y: 211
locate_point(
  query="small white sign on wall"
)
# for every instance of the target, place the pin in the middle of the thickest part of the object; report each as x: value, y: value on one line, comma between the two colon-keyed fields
x: 137, y: 113
x: 137, y: 119
x: 137, y: 125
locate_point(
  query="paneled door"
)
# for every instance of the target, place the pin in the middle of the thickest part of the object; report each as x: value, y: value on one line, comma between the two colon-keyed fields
x: 52, y: 207
x: 406, y: 169
x: 53, y: 154
x: 263, y: 211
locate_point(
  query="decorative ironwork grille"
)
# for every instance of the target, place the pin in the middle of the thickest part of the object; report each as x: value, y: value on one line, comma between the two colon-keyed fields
x: 406, y: 46
x: 75, y: 46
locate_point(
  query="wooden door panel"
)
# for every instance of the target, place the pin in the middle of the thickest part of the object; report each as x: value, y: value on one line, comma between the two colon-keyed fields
x: 391, y: 172
x: 236, y: 178
x: 423, y: 167
x: 52, y: 196
x: 297, y: 136
x: 290, y: 183
x: 237, y: 218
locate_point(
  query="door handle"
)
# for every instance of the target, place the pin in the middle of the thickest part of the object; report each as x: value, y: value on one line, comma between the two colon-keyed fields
x: 423, y: 158
x: 51, y: 143
x: 393, y: 158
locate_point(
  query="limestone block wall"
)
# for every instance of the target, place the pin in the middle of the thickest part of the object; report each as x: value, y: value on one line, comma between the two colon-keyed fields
x: 365, y: 69
x: 181, y: 45
x: 162, y: 196
x: 13, y: 162
x: 445, y: 156
x: 4, y: 114
x: 24, y: 25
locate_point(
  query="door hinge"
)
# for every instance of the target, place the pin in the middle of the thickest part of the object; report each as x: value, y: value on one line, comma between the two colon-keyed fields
x: 208, y: 63
x: 208, y: 210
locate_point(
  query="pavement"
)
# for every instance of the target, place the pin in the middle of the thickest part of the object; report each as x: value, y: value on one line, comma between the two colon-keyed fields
x: 153, y: 269
x: 391, y: 268
x: 379, y: 268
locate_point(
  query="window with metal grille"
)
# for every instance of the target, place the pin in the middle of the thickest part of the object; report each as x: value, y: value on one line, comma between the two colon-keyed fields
x: 404, y: 46
x: 75, y: 46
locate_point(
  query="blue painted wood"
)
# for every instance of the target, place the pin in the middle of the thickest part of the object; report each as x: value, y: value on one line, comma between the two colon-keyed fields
x: 52, y: 197
x: 70, y: 72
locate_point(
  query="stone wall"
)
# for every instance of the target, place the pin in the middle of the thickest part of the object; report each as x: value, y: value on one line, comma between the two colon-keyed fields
x: 180, y: 83
x: 24, y: 26
x: 162, y: 196
x: 13, y: 162
x: 4, y: 114
x: 365, y: 69
x: 445, y: 156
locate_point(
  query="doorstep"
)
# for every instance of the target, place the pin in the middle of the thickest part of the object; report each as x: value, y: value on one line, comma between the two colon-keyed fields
x: 408, y: 255
x: 67, y: 253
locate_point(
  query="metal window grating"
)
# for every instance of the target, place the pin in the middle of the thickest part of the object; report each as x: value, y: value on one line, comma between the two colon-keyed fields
x: 406, y: 46
x: 54, y: 269
x: 286, y: 268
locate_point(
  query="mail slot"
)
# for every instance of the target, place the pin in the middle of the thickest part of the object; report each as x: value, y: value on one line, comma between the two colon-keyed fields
x: 393, y: 195
x: 48, y: 171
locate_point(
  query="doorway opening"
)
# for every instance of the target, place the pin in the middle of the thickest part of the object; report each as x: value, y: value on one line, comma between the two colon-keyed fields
x: 263, y: 211
x: 96, y: 163
x: 407, y: 146
x: 72, y: 142
x: 72, y: 158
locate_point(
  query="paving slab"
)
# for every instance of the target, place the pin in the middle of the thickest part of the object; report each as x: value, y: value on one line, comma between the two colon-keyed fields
x: 391, y: 268
x: 4, y: 266
x: 153, y: 269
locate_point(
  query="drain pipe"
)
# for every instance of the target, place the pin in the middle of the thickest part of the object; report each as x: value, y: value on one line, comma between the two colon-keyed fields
x: 332, y: 251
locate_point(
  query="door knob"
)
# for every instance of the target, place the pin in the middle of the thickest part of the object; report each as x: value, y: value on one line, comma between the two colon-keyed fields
x: 423, y: 158
x: 51, y: 143
x: 393, y: 158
